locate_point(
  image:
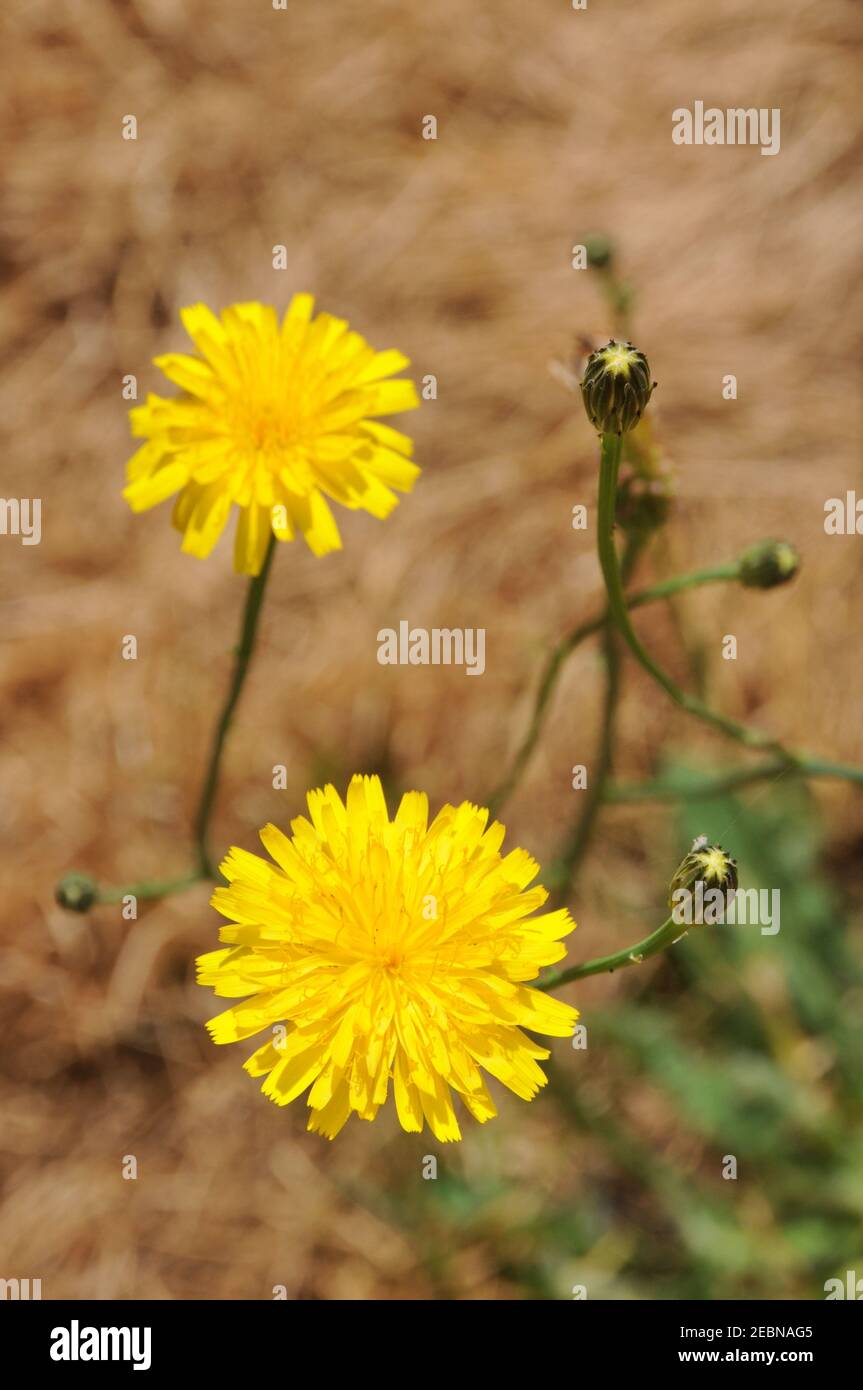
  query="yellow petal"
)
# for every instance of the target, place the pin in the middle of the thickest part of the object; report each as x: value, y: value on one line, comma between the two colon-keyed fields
x: 207, y: 521
x: 187, y: 372
x: 149, y: 492
x: 383, y: 364
x: 250, y: 544
x: 392, y: 397
x: 293, y: 1075
x: 408, y: 1103
x: 320, y: 530
x: 331, y: 1117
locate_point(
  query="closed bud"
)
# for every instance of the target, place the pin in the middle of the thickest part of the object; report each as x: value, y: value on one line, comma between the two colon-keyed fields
x: 616, y: 387
x: 76, y: 892
x: 768, y: 563
x: 707, y: 864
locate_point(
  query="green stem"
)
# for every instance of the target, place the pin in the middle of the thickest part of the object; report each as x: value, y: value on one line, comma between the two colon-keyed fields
x: 730, y: 781
x: 619, y: 297
x: 609, y: 465
x: 679, y: 583
x: 78, y: 892
x: 563, y: 872
x: 666, y: 935
x: 149, y: 888
x: 244, y: 652
x: 676, y: 585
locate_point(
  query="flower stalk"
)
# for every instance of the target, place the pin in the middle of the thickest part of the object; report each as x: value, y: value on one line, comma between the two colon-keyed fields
x: 666, y: 588
x: 706, y: 787
x: 77, y: 892
x: 664, y: 936
x: 563, y: 872
x: 619, y: 613
x: 150, y: 888
x: 248, y: 634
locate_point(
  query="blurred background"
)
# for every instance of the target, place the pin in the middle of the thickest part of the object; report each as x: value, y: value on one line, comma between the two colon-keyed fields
x: 258, y: 127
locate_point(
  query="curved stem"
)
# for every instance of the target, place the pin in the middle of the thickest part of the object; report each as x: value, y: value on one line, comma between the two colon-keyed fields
x: 563, y: 873
x: 677, y: 584
x: 568, y: 863
x: 244, y: 652
x: 821, y: 767
x: 609, y: 465
x: 78, y: 892
x: 658, y: 790
x: 547, y: 683
x: 666, y: 935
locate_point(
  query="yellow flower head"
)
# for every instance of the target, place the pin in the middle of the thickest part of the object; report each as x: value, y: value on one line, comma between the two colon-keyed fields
x: 275, y: 418
x: 378, y: 950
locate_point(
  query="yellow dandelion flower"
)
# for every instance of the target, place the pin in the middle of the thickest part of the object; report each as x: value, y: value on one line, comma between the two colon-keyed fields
x: 380, y: 950
x: 275, y: 418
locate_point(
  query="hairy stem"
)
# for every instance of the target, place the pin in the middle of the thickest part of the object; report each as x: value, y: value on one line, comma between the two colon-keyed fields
x: 666, y: 935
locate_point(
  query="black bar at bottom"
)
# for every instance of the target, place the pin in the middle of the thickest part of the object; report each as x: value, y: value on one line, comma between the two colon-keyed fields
x: 280, y: 1337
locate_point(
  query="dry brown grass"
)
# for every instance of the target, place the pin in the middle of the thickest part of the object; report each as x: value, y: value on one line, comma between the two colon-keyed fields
x: 303, y: 128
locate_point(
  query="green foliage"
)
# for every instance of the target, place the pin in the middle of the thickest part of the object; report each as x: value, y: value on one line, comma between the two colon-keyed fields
x: 755, y: 1042
x: 734, y: 1044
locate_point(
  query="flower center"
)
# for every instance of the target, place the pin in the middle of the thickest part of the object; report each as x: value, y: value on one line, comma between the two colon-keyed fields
x: 715, y: 864
x: 264, y: 421
x: 618, y: 359
x: 392, y: 957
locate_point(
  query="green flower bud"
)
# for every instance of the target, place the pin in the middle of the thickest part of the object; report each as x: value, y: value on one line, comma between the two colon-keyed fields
x: 768, y: 563
x: 616, y: 387
x: 707, y: 864
x: 600, y: 251
x: 76, y: 892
